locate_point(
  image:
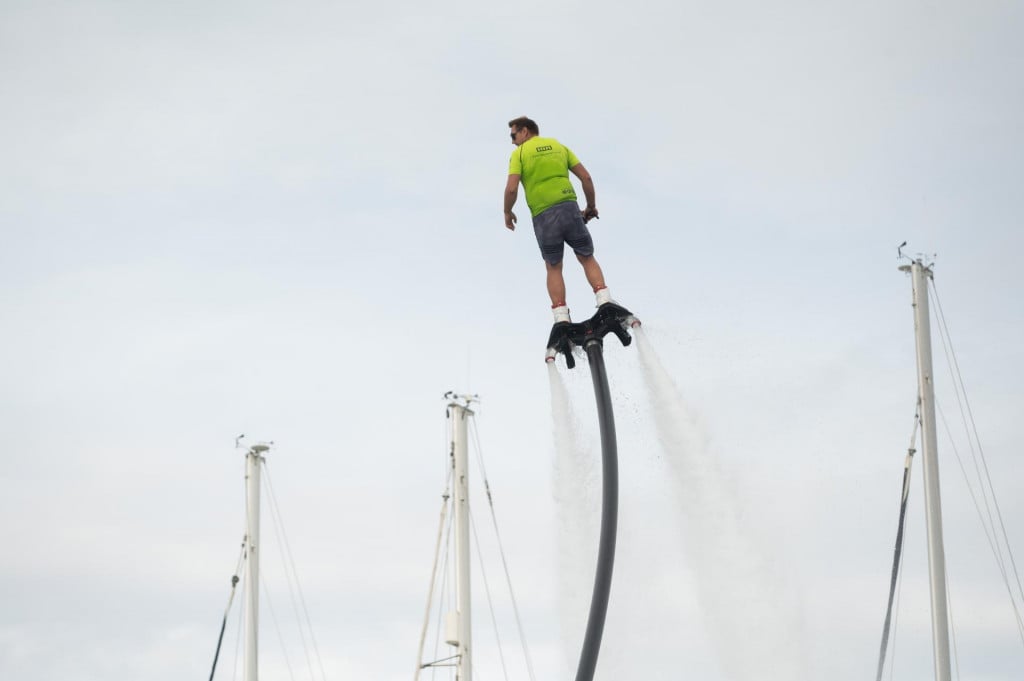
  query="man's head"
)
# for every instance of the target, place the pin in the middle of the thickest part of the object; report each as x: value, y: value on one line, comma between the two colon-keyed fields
x: 522, y: 129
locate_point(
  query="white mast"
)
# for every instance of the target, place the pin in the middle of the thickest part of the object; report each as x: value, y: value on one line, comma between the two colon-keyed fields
x: 460, y: 412
x: 253, y: 459
x: 933, y: 507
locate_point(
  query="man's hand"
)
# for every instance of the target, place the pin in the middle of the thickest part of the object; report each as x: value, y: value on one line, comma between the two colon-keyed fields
x: 511, y: 194
x: 589, y: 213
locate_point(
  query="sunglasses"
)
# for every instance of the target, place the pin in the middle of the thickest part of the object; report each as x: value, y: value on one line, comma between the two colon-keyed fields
x: 513, y: 134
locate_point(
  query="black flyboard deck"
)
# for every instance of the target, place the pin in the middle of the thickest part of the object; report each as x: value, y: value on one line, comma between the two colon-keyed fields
x: 609, y: 318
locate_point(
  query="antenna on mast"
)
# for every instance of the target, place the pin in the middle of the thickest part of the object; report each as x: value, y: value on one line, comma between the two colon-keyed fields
x: 460, y: 399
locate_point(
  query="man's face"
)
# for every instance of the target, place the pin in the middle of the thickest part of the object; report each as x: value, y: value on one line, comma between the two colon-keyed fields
x: 518, y: 135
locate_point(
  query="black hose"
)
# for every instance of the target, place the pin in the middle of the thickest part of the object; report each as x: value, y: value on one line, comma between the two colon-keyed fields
x: 609, y: 515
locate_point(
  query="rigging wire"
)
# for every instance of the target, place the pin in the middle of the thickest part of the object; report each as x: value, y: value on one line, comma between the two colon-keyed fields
x: 501, y: 551
x: 433, y: 575
x: 449, y: 589
x: 284, y: 549
x: 445, y: 592
x: 277, y: 627
x: 989, y: 534
x: 989, y: 531
x: 898, y: 551
x: 960, y: 393
x: 968, y: 415
x: 487, y: 590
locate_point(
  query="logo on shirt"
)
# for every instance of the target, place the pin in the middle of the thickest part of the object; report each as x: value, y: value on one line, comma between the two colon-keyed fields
x: 544, y: 148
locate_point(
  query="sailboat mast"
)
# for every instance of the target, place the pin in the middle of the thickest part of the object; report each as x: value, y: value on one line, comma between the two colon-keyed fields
x: 460, y: 460
x: 253, y: 459
x: 933, y: 506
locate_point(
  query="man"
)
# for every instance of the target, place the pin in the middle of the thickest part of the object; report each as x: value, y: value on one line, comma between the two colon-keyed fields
x: 543, y: 166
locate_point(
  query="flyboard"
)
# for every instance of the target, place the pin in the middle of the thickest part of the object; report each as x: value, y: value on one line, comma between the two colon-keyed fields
x: 564, y: 338
x: 609, y: 318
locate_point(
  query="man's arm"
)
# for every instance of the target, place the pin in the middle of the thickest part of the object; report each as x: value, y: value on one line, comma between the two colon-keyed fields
x: 511, y: 194
x: 588, y: 190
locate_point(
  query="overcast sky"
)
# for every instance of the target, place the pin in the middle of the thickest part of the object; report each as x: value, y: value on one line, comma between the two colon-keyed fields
x: 285, y: 220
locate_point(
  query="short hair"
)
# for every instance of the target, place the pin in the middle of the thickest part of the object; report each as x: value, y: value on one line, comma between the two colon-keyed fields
x: 524, y: 122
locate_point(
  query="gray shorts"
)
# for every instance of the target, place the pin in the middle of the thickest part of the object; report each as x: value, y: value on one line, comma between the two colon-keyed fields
x: 559, y: 225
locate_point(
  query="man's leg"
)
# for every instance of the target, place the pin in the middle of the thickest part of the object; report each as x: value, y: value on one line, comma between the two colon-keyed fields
x: 556, y: 283
x: 595, y: 277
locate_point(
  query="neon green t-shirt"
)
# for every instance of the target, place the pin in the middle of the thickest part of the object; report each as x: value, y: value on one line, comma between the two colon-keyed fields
x: 542, y: 165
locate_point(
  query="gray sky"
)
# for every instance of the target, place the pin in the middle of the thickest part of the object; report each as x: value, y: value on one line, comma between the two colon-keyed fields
x: 224, y: 218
